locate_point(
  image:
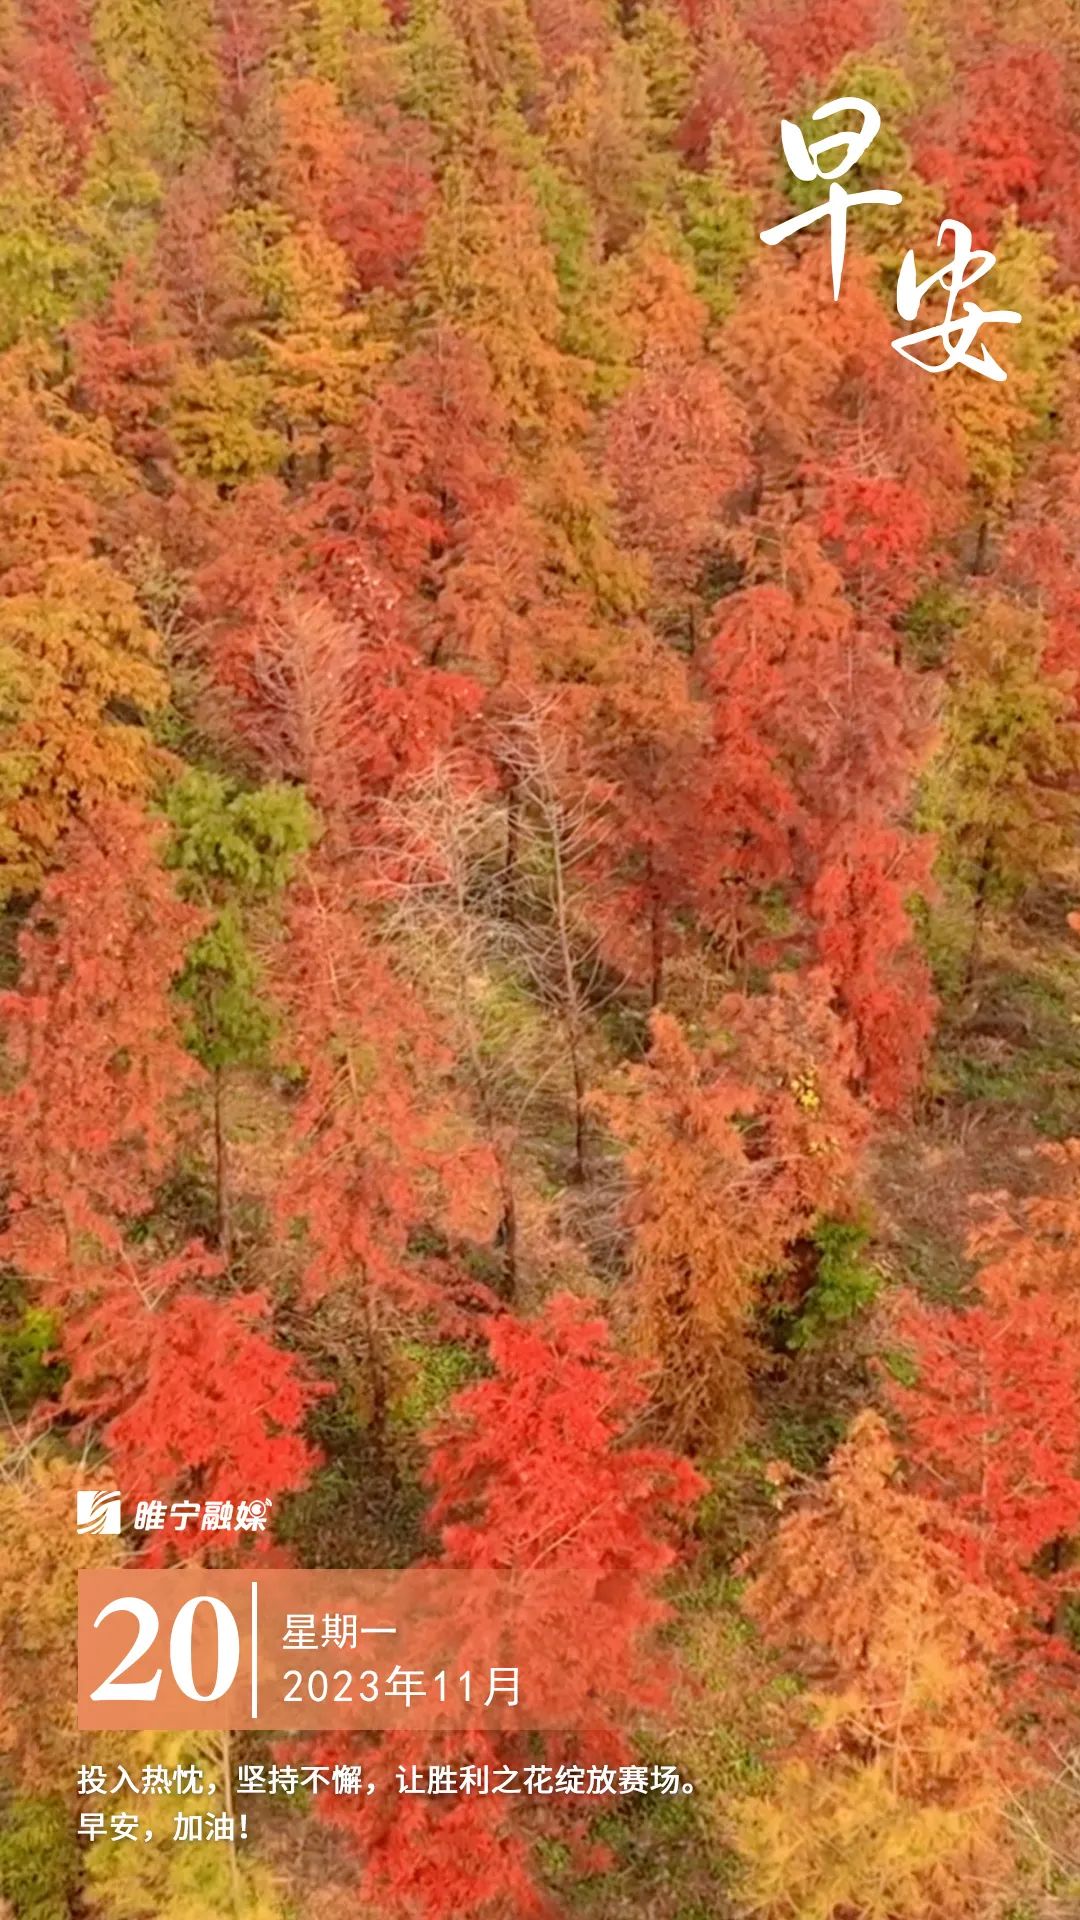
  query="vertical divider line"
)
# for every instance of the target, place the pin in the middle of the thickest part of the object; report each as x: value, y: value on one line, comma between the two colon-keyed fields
x: 254, y: 1649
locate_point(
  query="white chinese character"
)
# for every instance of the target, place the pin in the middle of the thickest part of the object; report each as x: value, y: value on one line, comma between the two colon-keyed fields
x: 570, y: 1780
x: 221, y: 1826
x: 348, y: 1779
x: 442, y: 1780
x: 188, y: 1826
x: 539, y: 1780
x: 91, y: 1825
x: 250, y: 1777
x: 217, y: 1516
x: 665, y: 1779
x: 283, y: 1779
x: 957, y: 337
x: 149, y: 1516
x: 339, y: 1630
x: 805, y: 164
x: 91, y: 1780
x: 156, y: 1779
x: 251, y: 1516
x: 299, y: 1634
x: 125, y: 1826
x: 633, y: 1779
x: 404, y: 1684
x: 182, y: 1511
x: 503, y: 1680
x: 312, y: 1778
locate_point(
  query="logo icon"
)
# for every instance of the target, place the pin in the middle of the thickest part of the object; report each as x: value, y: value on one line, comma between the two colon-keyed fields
x: 97, y: 1512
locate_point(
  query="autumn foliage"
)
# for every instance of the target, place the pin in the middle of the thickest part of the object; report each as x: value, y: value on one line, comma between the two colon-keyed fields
x: 538, y: 810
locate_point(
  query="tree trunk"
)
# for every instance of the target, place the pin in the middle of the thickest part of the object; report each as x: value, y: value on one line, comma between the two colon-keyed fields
x: 506, y: 1233
x: 221, y: 1169
x: 656, y: 948
x: 579, y: 1109
x: 375, y: 1362
x: 572, y: 1015
x: 978, y: 917
x: 513, y: 830
x: 230, y: 1809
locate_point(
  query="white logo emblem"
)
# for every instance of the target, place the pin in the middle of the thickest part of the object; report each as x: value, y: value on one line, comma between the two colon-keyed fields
x: 97, y: 1512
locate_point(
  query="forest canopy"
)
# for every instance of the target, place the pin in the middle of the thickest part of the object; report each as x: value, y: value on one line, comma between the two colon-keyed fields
x: 539, y: 788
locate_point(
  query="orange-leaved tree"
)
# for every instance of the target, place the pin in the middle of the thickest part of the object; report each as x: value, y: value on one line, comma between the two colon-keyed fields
x: 538, y: 1469
x: 888, y: 1796
x: 733, y: 1149
x: 185, y: 1382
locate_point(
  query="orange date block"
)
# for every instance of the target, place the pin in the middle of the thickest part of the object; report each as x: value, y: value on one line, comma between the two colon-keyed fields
x: 366, y: 1650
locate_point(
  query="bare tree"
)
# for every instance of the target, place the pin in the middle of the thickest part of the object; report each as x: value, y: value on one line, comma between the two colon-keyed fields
x: 556, y: 829
x: 438, y: 869
x: 503, y: 946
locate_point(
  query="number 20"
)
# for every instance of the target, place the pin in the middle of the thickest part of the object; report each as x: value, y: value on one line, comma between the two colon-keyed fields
x: 180, y: 1650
